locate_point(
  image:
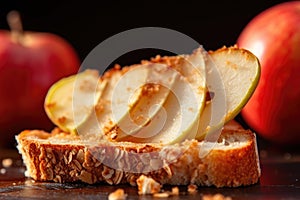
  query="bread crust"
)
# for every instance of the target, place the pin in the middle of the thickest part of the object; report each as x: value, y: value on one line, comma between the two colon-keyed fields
x: 231, y: 163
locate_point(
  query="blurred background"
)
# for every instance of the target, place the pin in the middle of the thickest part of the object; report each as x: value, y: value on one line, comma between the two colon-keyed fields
x: 85, y: 24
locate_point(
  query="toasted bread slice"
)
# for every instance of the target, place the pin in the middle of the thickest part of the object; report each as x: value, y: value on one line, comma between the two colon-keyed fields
x: 230, y: 160
x: 62, y: 157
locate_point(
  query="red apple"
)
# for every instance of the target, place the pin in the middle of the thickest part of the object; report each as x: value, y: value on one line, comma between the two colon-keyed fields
x: 274, y: 37
x: 30, y: 63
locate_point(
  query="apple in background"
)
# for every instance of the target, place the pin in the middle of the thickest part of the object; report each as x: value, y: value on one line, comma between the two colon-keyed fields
x: 30, y: 63
x: 274, y: 37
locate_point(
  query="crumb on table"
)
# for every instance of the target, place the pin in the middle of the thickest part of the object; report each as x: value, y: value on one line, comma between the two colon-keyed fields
x: 215, y: 197
x: 7, y: 162
x: 192, y: 188
x: 118, y: 194
x: 147, y: 185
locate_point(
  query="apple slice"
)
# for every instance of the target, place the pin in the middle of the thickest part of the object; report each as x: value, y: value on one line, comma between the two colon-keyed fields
x: 127, y: 98
x: 100, y: 120
x: 232, y: 76
x: 149, y: 86
x: 69, y: 101
x: 178, y: 118
x: 175, y: 121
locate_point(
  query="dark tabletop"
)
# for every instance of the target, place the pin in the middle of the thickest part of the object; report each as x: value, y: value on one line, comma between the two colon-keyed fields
x: 280, y: 180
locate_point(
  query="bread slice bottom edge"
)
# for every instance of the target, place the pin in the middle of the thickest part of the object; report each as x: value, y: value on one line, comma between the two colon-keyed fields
x: 230, y: 162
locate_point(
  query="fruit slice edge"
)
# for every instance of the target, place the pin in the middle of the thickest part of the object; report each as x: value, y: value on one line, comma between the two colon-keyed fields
x: 239, y: 70
x: 64, y: 104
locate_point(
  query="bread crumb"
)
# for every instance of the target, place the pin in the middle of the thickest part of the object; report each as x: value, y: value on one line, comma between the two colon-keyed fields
x: 175, y: 191
x: 147, y: 185
x: 192, y: 188
x: 118, y: 194
x: 161, y: 195
x: 2, y: 171
x: 215, y: 197
x: 7, y: 162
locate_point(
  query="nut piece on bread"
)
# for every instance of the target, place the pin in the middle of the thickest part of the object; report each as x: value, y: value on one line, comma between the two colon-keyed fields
x: 147, y: 185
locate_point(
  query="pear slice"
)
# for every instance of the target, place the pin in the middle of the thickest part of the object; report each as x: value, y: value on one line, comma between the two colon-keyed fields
x: 69, y: 101
x: 178, y: 119
x: 232, y: 76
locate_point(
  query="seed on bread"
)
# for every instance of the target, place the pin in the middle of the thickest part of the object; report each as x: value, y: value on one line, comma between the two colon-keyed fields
x: 118, y: 176
x: 86, y: 177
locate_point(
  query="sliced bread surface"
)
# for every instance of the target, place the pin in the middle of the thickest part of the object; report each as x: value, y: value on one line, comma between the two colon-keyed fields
x: 61, y: 157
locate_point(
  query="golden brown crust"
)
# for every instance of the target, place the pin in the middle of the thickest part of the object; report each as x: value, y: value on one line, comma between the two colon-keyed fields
x: 221, y: 167
x: 237, y: 166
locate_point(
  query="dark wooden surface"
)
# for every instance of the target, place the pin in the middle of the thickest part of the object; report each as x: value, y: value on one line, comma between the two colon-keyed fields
x: 280, y: 180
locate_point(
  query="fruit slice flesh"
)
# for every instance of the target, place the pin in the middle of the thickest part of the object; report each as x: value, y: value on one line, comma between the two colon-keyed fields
x: 190, y: 70
x: 122, y: 97
x: 175, y: 120
x: 152, y: 93
x: 239, y: 71
x: 70, y: 101
x: 100, y: 119
x: 178, y: 118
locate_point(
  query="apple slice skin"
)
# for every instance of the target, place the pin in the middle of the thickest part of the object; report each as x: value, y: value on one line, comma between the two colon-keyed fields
x: 234, y: 65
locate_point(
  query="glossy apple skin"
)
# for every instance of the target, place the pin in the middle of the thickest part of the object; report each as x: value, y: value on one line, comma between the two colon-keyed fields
x: 274, y: 37
x: 28, y: 68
